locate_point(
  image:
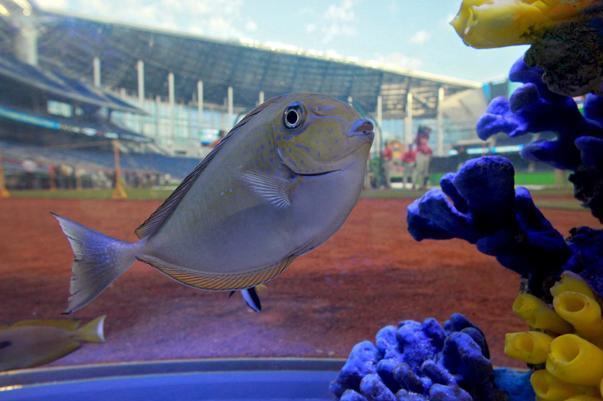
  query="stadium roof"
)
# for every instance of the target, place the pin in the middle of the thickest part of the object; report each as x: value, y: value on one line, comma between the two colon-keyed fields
x: 70, y: 43
x: 61, y: 86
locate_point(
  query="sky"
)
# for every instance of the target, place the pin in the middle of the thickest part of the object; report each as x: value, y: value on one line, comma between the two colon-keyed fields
x: 411, y: 34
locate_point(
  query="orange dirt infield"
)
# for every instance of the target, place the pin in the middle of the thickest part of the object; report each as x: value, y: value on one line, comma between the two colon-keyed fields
x: 371, y: 273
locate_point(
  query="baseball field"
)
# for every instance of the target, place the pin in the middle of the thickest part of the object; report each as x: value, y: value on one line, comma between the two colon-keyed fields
x: 371, y: 273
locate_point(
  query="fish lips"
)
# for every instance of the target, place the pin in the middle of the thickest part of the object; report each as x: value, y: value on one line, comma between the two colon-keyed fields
x: 363, y: 129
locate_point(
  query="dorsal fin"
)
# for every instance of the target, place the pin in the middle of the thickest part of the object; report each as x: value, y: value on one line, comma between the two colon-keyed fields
x: 160, y: 216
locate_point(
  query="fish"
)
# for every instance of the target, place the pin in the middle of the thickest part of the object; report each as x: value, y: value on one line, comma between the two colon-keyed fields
x: 36, y: 342
x: 279, y: 184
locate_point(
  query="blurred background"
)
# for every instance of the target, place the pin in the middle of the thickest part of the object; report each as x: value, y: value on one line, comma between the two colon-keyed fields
x: 121, y: 99
x: 167, y: 84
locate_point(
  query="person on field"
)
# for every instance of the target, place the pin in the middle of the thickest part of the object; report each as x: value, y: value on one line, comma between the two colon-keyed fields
x: 409, y: 163
x: 424, y: 153
x: 387, y: 155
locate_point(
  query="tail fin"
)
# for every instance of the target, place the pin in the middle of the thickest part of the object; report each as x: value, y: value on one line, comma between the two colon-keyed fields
x: 93, y: 331
x: 98, y: 261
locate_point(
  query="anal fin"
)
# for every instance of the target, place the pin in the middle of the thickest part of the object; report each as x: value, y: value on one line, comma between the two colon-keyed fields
x: 219, y: 281
x: 252, y: 299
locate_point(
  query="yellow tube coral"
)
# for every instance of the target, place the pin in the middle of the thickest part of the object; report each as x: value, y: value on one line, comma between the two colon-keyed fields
x: 549, y: 388
x: 571, y: 282
x: 538, y: 315
x: 531, y: 346
x: 583, y: 312
x: 496, y: 23
x: 575, y: 360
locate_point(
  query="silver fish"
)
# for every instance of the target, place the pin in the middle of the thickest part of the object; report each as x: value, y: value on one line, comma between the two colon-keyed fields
x: 280, y: 183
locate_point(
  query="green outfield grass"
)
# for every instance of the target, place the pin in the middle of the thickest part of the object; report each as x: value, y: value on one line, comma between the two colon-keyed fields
x: 544, y: 181
x: 536, y: 178
x: 133, y: 193
x: 548, y: 197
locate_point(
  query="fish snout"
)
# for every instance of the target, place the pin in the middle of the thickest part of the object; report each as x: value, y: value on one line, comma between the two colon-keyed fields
x: 362, y: 128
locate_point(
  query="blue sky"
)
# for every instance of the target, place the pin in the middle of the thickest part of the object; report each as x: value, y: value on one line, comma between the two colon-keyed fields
x: 406, y: 33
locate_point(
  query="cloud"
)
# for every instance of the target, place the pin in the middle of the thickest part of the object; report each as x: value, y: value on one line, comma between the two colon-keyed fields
x: 339, y: 20
x: 310, y: 28
x: 251, y: 26
x: 52, y: 4
x: 217, y: 18
x: 420, y: 37
x: 399, y: 60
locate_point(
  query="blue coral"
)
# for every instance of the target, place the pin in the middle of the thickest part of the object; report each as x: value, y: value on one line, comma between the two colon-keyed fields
x: 416, y: 361
x: 481, y: 205
x: 533, y: 108
x: 526, y: 243
x: 587, y: 256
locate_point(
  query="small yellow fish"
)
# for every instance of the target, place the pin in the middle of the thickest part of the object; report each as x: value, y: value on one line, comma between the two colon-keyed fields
x: 497, y: 23
x: 36, y: 342
x: 280, y: 183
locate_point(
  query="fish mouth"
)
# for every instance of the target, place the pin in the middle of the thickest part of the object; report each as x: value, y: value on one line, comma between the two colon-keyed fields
x: 363, y: 129
x: 318, y: 174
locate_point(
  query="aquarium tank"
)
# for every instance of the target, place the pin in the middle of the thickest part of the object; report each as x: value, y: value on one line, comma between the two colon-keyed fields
x: 342, y: 200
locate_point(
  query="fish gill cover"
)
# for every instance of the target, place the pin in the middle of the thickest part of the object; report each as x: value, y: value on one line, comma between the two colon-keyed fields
x: 420, y: 361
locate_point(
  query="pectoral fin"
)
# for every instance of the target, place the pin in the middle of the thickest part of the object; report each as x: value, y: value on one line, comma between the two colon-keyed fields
x: 251, y: 299
x: 273, y: 189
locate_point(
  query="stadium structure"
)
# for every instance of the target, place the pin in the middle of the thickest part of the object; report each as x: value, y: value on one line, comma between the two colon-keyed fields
x: 71, y: 85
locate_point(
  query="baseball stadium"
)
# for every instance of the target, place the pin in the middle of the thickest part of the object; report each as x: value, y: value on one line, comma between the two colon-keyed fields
x: 108, y: 122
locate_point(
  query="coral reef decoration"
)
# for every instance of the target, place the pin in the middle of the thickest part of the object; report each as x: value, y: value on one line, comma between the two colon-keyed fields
x: 571, y: 56
x: 498, y: 23
x: 565, y: 36
x: 420, y: 361
x: 481, y: 205
x: 533, y: 108
x: 586, y: 245
x: 564, y: 344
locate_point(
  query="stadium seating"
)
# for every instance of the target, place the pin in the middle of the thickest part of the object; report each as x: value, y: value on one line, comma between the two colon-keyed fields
x: 177, y: 167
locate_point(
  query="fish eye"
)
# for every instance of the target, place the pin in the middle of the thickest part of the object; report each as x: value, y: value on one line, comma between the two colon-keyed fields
x: 294, y: 115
